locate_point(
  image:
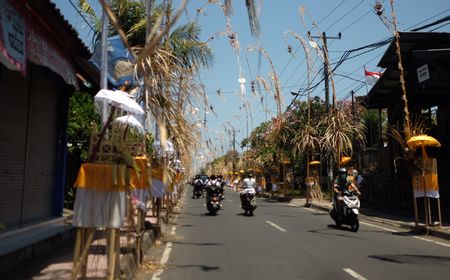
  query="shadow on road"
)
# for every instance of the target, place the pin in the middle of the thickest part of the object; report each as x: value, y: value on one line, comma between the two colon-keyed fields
x: 205, y: 268
x: 197, y: 243
x: 413, y: 259
x: 186, y: 225
x: 243, y: 215
x: 321, y: 214
x: 335, y: 232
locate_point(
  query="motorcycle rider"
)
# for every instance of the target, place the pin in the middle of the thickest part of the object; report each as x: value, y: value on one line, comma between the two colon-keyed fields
x: 222, y: 186
x: 342, y: 184
x: 212, y: 185
x: 248, y: 185
x: 197, y: 183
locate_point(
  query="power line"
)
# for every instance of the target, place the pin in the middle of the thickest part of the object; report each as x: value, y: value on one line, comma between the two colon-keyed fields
x: 330, y: 12
x: 351, y: 24
x: 351, y: 10
x: 438, y: 14
x: 439, y: 27
x: 298, y: 47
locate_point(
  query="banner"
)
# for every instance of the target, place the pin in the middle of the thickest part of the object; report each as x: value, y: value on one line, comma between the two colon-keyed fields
x: 12, y: 38
x: 426, y: 183
x: 159, y: 186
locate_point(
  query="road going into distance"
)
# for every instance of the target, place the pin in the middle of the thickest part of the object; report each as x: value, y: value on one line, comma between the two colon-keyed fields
x: 287, y: 241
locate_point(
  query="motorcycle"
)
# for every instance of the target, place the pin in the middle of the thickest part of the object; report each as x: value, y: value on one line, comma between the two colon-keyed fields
x: 348, y: 212
x: 213, y: 201
x: 198, y: 190
x: 249, y: 202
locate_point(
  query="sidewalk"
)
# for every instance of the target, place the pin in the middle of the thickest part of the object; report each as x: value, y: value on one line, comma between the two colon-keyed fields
x: 385, y: 218
x: 45, y: 251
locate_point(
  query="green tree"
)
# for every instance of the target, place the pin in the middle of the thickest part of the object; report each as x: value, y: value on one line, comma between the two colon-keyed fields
x: 79, y: 125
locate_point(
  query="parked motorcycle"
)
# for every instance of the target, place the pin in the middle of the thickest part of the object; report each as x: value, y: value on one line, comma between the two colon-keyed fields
x: 249, y: 202
x: 348, y: 211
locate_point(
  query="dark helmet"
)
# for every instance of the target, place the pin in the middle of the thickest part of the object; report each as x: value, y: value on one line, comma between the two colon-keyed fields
x: 213, y: 177
x: 250, y: 175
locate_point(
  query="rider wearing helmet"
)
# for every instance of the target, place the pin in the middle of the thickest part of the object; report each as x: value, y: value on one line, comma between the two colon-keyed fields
x: 248, y: 185
x: 342, y: 184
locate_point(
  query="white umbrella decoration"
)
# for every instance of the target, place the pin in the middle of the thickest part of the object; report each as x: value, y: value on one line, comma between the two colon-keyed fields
x: 118, y: 99
x: 130, y: 121
x: 115, y: 100
x: 168, y: 147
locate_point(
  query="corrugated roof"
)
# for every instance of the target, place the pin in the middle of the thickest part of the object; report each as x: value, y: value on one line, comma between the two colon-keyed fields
x: 414, y: 41
x: 51, y: 14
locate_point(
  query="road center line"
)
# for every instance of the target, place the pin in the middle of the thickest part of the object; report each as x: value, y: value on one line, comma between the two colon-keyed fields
x: 276, y: 226
x: 354, y: 274
x: 293, y: 205
x: 310, y: 209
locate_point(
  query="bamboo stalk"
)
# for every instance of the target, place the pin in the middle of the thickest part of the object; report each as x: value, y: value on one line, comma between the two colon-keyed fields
x: 77, y: 251
x: 77, y: 266
x: 111, y: 253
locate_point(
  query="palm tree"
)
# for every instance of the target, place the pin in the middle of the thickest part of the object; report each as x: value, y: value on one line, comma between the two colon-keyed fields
x: 170, y: 69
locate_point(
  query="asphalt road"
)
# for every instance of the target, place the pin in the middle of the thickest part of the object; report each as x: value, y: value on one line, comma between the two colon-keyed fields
x: 284, y: 241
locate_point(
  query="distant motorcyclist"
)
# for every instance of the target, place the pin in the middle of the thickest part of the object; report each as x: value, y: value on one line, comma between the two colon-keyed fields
x: 248, y: 185
x: 199, y: 182
x: 222, y: 186
x: 341, y: 185
x: 212, y: 186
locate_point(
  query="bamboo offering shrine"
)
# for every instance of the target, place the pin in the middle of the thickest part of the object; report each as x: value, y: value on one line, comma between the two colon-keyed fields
x: 425, y: 178
x: 113, y: 187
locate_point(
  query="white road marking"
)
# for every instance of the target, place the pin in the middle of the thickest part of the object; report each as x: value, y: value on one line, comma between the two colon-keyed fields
x: 354, y: 274
x: 310, y: 209
x: 435, y: 242
x: 383, y: 228
x: 276, y: 226
x: 163, y: 261
x: 293, y: 205
x: 173, y: 230
x: 417, y: 237
x: 227, y: 200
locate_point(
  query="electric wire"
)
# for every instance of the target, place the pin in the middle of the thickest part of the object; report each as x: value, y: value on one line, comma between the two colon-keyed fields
x: 427, y: 19
x: 439, y: 27
x: 342, y: 17
x: 298, y: 47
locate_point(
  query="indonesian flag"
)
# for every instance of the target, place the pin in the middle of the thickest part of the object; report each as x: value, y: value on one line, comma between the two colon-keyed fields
x: 372, y: 77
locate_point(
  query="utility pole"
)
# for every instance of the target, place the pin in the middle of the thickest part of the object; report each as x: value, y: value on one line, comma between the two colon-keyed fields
x: 353, y: 103
x: 326, y: 73
x: 326, y: 65
x: 233, y: 132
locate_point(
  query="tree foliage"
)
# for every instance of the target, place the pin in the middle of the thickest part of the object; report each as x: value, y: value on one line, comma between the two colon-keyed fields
x: 80, y: 118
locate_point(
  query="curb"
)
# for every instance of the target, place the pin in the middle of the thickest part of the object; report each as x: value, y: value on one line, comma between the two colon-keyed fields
x: 422, y: 229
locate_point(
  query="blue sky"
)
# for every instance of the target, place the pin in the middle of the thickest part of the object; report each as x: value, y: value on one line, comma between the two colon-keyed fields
x: 355, y: 19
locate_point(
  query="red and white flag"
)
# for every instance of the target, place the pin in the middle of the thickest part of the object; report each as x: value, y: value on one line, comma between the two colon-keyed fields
x: 372, y: 77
